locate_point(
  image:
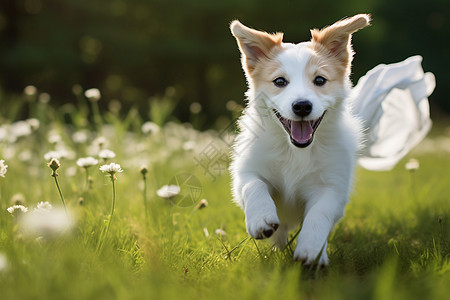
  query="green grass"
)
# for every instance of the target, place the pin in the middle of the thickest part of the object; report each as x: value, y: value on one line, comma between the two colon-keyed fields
x: 393, y: 242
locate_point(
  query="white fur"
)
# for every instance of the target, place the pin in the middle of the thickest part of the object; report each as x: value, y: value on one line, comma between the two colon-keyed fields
x: 276, y: 183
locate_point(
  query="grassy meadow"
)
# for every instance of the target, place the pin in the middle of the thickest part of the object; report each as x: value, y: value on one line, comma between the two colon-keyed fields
x: 393, y: 242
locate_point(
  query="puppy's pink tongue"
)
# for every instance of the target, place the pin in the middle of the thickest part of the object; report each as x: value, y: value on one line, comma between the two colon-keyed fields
x: 301, y: 131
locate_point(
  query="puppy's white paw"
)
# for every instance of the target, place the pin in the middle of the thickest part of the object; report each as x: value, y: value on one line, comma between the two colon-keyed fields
x: 309, y: 253
x: 261, y: 227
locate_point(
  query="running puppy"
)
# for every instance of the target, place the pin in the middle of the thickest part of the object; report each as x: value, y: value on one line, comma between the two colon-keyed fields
x: 294, y: 157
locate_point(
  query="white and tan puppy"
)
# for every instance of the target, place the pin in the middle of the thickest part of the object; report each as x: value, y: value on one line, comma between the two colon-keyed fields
x: 294, y: 157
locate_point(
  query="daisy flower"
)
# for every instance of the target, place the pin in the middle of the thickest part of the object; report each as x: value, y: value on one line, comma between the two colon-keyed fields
x: 30, y: 90
x: 220, y: 232
x: 106, y: 154
x: 44, y: 206
x: 202, y: 204
x: 34, y: 123
x: 412, y: 165
x: 149, y: 127
x: 20, y: 128
x: 52, y: 154
x: 44, y: 98
x: 80, y: 136
x: 3, y: 168
x: 93, y: 94
x: 100, y: 142
x: 18, y: 199
x: 46, y: 222
x: 17, y: 210
x: 111, y: 169
x: 168, y: 191
x: 86, y: 162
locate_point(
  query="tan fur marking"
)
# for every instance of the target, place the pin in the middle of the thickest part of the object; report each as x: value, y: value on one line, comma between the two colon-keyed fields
x: 256, y: 46
x: 265, y: 73
x: 335, y: 40
x: 327, y: 66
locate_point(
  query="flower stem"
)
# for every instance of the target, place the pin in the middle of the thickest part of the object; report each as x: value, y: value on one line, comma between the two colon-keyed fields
x: 87, y: 178
x: 145, y: 197
x: 113, y: 195
x: 113, y: 206
x: 60, y: 193
x: 97, y: 117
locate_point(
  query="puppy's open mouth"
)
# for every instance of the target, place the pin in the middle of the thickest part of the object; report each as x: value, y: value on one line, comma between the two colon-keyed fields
x: 300, y: 132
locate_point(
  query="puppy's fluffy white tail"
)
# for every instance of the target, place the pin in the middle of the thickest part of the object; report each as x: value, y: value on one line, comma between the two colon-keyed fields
x: 392, y: 102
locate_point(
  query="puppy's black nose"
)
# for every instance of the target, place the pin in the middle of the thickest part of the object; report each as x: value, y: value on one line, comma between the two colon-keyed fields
x: 302, y: 108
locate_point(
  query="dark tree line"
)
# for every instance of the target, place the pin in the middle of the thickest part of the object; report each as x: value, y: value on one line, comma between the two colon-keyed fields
x: 134, y: 49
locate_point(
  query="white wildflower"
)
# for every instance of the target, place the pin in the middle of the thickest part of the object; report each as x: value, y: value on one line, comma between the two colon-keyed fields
x: 114, y: 106
x: 46, y: 222
x: 93, y: 94
x: 202, y: 204
x: 34, y: 123
x: 20, y: 129
x: 195, y: 107
x: 30, y: 90
x: 149, y: 127
x: 77, y: 89
x: 25, y: 156
x: 44, y: 206
x: 112, y: 168
x: 10, y: 151
x: 412, y: 165
x: 18, y: 199
x: 59, y: 154
x: 17, y: 210
x: 3, y: 168
x: 52, y: 154
x: 206, y: 232
x: 69, y: 154
x: 86, y: 162
x: 168, y: 191
x: 100, y: 142
x: 80, y: 137
x: 71, y: 171
x: 54, y: 138
x: 44, y: 98
x: 106, y: 154
x: 231, y: 105
x: 220, y: 232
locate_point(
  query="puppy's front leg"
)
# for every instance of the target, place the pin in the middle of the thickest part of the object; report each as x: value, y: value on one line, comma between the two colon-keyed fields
x: 320, y: 216
x: 260, y: 211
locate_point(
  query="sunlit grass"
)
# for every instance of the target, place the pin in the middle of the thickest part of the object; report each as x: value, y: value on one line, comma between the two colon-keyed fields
x: 393, y: 242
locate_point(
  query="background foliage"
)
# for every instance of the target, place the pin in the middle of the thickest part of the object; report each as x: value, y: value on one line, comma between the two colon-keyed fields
x: 133, y: 50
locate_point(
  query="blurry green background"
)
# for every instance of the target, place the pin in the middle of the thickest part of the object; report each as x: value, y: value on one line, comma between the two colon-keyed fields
x: 133, y: 50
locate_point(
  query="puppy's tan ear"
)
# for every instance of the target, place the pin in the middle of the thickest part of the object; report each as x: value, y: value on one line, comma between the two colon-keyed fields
x: 337, y: 38
x: 254, y: 45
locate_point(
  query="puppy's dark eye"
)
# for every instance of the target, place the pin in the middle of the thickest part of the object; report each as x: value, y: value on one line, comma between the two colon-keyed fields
x: 280, y: 82
x: 319, y: 81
